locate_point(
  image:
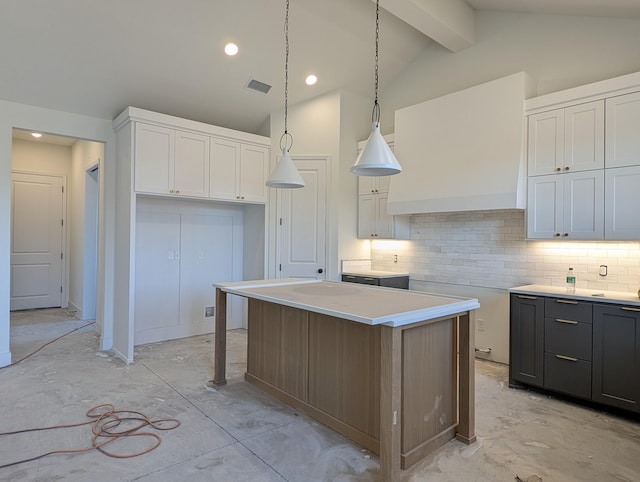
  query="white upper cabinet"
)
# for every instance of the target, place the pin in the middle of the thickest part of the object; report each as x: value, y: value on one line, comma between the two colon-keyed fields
x: 623, y: 130
x: 570, y: 139
x: 154, y: 159
x: 238, y: 171
x: 622, y: 203
x: 373, y: 184
x: 191, y: 173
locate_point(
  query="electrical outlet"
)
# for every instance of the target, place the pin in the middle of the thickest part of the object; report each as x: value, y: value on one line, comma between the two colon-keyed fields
x: 395, y: 258
x: 209, y: 311
x: 603, y: 270
x: 480, y: 324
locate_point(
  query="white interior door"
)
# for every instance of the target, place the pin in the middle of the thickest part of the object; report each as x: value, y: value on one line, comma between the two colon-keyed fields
x: 302, y: 222
x: 37, y: 204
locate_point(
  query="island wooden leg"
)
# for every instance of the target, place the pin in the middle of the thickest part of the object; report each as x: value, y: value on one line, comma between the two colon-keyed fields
x: 390, y: 402
x: 220, y: 353
x: 467, y: 384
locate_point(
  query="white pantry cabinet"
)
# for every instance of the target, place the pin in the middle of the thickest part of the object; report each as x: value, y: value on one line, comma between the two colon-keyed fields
x: 171, y: 162
x: 238, y: 171
x: 622, y: 203
x: 570, y: 139
x: 567, y: 206
x: 623, y: 130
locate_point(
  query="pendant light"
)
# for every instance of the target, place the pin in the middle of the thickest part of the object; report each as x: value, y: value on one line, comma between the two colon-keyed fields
x: 285, y: 175
x: 376, y: 159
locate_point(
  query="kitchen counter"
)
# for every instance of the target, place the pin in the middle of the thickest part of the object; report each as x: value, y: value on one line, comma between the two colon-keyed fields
x: 618, y: 297
x: 392, y: 370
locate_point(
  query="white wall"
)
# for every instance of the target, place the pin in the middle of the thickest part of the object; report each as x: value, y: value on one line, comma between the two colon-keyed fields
x: 22, y: 116
x: 558, y: 51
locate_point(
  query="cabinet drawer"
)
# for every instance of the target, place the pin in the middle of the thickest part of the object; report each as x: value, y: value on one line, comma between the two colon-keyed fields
x: 568, y: 309
x: 567, y: 376
x: 569, y: 338
x: 363, y: 280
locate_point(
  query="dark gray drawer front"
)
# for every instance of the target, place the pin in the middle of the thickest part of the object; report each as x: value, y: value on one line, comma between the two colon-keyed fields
x: 568, y: 309
x: 568, y: 338
x: 567, y: 376
x: 363, y: 280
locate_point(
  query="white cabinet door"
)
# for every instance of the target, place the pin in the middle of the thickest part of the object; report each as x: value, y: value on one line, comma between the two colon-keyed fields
x: 367, y: 216
x: 622, y: 202
x: 584, y: 137
x: 623, y: 130
x: 225, y: 158
x: 191, y: 175
x: 154, y: 159
x: 545, y: 151
x: 252, y: 173
x: 544, y: 207
x: 583, y: 205
x: 566, y: 206
x: 384, y: 221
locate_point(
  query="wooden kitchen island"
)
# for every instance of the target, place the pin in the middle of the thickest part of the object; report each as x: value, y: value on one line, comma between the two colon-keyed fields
x: 392, y: 370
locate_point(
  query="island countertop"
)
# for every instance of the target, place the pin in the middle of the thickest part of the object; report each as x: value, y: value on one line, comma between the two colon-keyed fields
x: 360, y: 303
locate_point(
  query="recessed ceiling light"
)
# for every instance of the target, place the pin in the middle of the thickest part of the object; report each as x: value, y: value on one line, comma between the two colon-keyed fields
x: 311, y: 79
x: 36, y: 134
x: 231, y: 49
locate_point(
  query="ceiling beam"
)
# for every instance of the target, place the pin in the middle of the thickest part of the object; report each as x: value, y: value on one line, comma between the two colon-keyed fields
x: 451, y: 23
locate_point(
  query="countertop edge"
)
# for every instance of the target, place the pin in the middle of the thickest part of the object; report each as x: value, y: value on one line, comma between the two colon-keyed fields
x: 596, y: 296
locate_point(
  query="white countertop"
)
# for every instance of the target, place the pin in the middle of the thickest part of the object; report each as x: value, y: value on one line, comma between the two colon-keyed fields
x: 599, y: 296
x: 373, y: 273
x: 372, y: 305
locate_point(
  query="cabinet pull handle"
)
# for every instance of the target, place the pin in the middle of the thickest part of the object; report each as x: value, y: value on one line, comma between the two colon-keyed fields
x: 350, y: 277
x: 565, y: 235
x: 567, y: 302
x: 369, y: 279
x: 566, y: 168
x: 626, y: 308
x: 568, y: 322
x: 558, y: 169
x: 568, y: 358
x: 557, y: 235
x: 524, y: 297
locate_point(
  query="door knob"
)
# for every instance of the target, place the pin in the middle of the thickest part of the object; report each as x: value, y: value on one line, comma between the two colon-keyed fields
x: 320, y: 270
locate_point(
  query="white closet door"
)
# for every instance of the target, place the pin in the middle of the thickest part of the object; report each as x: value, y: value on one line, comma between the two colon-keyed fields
x: 157, y: 286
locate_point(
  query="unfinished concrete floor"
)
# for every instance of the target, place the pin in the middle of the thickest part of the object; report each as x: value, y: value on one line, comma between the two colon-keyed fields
x: 237, y: 433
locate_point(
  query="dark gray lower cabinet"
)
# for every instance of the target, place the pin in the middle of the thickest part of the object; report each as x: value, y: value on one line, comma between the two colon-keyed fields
x: 400, y: 281
x: 578, y: 348
x: 526, y: 346
x: 616, y: 356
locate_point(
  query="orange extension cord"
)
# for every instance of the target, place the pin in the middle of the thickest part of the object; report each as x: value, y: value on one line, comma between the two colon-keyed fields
x: 105, y: 420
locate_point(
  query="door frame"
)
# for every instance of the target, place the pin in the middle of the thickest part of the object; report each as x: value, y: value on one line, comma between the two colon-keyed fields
x: 278, y: 214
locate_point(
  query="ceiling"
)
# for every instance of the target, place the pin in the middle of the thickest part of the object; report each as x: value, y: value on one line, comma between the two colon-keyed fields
x: 97, y: 57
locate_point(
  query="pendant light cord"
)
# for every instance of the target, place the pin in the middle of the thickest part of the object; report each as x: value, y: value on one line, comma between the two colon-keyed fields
x: 375, y: 115
x: 286, y: 80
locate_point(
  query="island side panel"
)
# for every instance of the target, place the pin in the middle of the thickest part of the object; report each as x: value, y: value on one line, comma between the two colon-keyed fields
x: 277, y: 346
x: 467, y: 341
x: 390, y: 402
x: 220, y: 341
x: 429, y: 388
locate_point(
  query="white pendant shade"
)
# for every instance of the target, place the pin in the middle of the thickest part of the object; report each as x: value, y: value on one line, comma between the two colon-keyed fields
x: 376, y: 159
x: 285, y: 175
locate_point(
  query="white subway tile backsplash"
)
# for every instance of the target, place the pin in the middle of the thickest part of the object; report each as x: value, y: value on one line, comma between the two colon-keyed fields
x: 488, y: 249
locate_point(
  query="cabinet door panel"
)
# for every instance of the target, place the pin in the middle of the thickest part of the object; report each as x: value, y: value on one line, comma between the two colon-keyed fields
x: 584, y: 136
x: 546, y: 142
x: 225, y: 157
x: 544, y: 207
x: 366, y: 216
x: 526, y: 357
x: 252, y: 172
x: 191, y: 165
x: 621, y: 203
x: 572, y: 377
x: 622, y: 121
x: 584, y: 205
x: 154, y: 159
x: 616, y: 356
x: 568, y: 339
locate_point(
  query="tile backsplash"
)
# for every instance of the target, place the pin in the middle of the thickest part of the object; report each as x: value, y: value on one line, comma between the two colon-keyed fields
x: 488, y: 249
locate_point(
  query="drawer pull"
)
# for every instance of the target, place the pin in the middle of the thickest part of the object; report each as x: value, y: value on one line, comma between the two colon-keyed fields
x: 350, y: 277
x: 626, y: 308
x: 567, y: 302
x: 369, y: 279
x: 568, y: 322
x: 568, y: 358
x: 524, y: 297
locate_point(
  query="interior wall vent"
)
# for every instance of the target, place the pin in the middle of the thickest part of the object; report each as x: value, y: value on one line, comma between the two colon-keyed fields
x: 257, y: 86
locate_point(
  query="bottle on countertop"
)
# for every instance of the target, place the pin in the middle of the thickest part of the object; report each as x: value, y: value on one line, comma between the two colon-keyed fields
x: 571, y: 281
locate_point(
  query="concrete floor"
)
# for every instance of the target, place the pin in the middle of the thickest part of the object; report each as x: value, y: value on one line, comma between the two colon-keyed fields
x: 237, y: 433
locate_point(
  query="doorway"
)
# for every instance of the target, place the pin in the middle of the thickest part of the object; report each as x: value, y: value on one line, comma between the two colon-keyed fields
x: 302, y: 222
x: 77, y: 163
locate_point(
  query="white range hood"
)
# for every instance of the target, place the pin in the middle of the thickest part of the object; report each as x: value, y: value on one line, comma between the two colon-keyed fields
x: 464, y: 151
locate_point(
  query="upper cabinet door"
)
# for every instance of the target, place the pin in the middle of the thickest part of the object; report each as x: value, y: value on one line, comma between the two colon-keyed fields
x: 623, y: 130
x: 191, y: 165
x: 225, y: 159
x: 584, y: 137
x: 545, y: 207
x: 621, y: 203
x: 583, y: 203
x: 253, y: 165
x: 154, y: 159
x: 545, y: 151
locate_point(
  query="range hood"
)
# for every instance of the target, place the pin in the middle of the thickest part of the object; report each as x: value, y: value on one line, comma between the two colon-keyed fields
x: 464, y: 151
